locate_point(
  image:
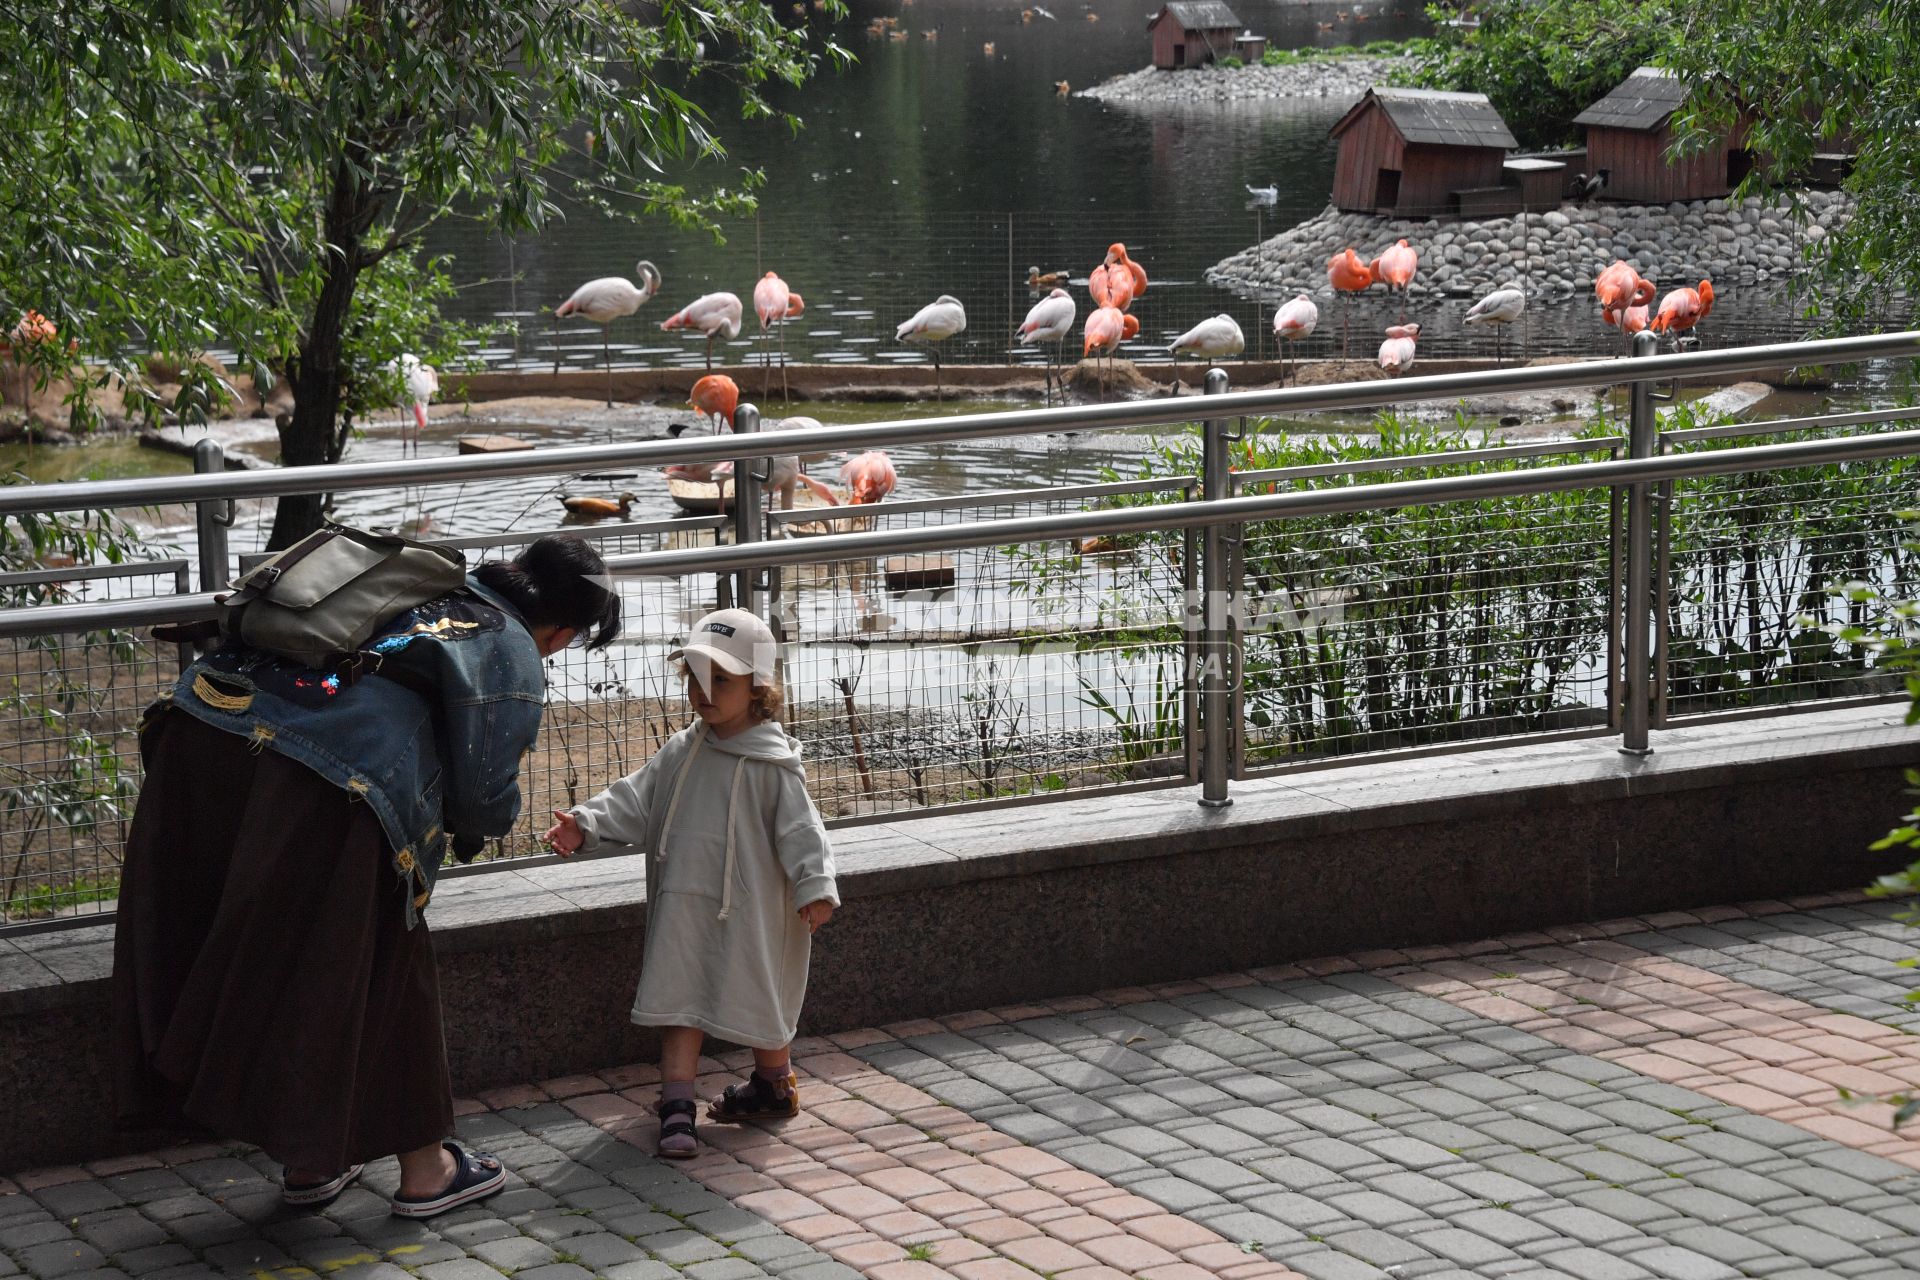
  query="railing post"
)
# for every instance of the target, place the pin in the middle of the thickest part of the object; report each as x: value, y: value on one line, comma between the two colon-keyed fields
x: 211, y: 519
x: 1636, y: 614
x: 1217, y: 664
x: 748, y: 518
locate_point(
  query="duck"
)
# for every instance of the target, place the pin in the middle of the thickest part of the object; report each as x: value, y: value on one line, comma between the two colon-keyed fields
x: 987, y: 48
x: 1038, y: 279
x: 598, y: 508
x: 1062, y: 88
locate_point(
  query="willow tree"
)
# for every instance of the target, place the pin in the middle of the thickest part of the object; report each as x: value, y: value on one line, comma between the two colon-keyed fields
x: 261, y: 175
x: 1822, y: 76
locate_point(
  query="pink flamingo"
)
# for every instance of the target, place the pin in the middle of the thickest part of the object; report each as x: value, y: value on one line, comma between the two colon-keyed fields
x: 716, y: 396
x: 870, y: 477
x: 1396, y: 353
x: 1295, y: 321
x: 714, y: 314
x: 1105, y: 330
x: 1395, y: 268
x: 775, y: 304
x: 607, y: 299
x: 1682, y: 309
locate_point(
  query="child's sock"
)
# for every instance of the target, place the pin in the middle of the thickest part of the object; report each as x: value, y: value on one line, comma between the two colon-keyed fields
x: 776, y: 1077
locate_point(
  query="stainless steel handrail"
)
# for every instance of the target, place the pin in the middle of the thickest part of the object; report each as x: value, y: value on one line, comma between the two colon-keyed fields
x: 988, y: 498
x: 1780, y: 426
x: 1073, y: 524
x: 342, y: 477
x: 1441, y: 458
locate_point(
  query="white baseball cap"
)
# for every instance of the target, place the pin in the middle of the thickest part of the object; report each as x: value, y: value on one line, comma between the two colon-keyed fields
x: 733, y: 640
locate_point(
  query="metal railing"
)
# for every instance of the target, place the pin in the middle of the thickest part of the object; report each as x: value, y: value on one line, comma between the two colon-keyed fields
x: 1223, y: 621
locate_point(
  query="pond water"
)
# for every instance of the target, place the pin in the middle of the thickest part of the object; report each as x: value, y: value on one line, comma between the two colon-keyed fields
x: 932, y: 166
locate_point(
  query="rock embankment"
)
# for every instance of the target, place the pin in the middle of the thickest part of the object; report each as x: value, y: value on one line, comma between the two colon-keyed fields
x: 1342, y: 78
x: 1555, y: 253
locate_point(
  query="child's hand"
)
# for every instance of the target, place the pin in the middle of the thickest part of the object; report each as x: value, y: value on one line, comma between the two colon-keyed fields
x: 564, y: 837
x: 816, y: 913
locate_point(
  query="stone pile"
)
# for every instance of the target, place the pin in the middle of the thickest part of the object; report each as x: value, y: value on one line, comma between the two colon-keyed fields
x: 1343, y: 78
x: 1552, y: 254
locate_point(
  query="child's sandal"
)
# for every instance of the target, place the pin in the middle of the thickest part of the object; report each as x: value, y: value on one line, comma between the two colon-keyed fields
x: 676, y: 1122
x: 756, y: 1099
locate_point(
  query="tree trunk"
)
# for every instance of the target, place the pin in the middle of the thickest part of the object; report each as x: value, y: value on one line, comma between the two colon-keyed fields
x: 307, y: 435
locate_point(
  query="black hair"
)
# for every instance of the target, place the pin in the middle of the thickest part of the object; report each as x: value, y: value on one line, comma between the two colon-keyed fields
x: 559, y: 581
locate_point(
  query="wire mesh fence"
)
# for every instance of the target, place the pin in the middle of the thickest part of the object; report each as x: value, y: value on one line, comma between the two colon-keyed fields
x: 69, y: 754
x: 1762, y: 572
x: 1427, y: 625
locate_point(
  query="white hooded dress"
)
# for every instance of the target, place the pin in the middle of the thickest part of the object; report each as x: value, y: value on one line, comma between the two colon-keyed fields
x: 734, y: 849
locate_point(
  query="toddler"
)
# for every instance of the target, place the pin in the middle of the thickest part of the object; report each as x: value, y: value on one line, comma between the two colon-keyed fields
x: 739, y: 875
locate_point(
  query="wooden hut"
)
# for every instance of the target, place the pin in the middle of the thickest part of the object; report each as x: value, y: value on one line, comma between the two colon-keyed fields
x: 1630, y: 135
x: 1409, y: 151
x: 1192, y: 33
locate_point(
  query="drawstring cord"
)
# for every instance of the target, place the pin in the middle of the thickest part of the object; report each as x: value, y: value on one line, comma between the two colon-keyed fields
x: 673, y: 802
x: 726, y: 888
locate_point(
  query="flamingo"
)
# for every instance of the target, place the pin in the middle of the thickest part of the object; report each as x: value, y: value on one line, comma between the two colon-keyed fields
x: 1682, y: 309
x: 716, y: 396
x: 422, y: 382
x: 1619, y: 287
x: 1396, y: 353
x: 1212, y: 338
x: 1395, y: 268
x: 1049, y: 322
x: 1348, y: 275
x: 775, y: 304
x: 1111, y: 287
x: 607, y: 299
x: 1117, y: 256
x: 870, y: 476
x: 1500, y: 308
x: 1296, y: 320
x: 1106, y: 329
x: 931, y: 325
x: 713, y: 314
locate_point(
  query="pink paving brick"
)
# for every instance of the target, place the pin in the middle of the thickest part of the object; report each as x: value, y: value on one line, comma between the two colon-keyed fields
x: 1846, y: 1129
x: 1177, y: 1271
x: 978, y: 1144
x: 114, y: 1165
x: 852, y: 1115
x: 904, y: 1183
x: 518, y: 1095
x: 1069, y: 1182
x: 932, y: 1159
x: 1026, y: 1162
x: 1093, y: 1273
x: 905, y: 1225
x: 1378, y: 959
x: 1842, y: 1049
x: 467, y: 1107
x: 1044, y: 1253
x: 831, y: 1067
x: 867, y: 1251
x: 992, y: 1269
x: 1765, y: 1049
x: 1020, y: 1012
x: 1128, y: 1253
x: 812, y: 1179
x: 1752, y: 1097
x: 859, y: 1202
x: 572, y: 1086
x: 1219, y: 1256
x: 1000, y: 1230
x: 1859, y: 1079
x: 780, y: 1207
x: 1578, y: 1039
x: 1684, y: 1022
x: 971, y: 1020
x: 1125, y: 1208
x: 819, y: 1226
x: 857, y: 1159
x: 735, y: 1185
x: 1698, y: 1052
x: 907, y: 1271
x: 1027, y: 1202
x: 860, y: 1039
x: 1324, y: 965
x: 949, y: 1205
x: 1079, y: 1228
x: 983, y: 1180
x: 1171, y: 1232
x: 913, y: 1027
x: 1075, y: 1004
x: 38, y: 1179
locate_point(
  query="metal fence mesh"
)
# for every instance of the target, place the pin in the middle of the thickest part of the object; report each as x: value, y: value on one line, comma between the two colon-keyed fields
x: 1755, y: 568
x: 1425, y: 626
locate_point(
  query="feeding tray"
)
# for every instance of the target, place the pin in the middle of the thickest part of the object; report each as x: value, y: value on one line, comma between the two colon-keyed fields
x: 919, y: 572
x: 702, y: 498
x: 492, y: 444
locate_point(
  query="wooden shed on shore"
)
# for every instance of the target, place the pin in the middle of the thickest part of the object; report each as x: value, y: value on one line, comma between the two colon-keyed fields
x: 1192, y: 33
x: 1409, y: 151
x: 1630, y: 135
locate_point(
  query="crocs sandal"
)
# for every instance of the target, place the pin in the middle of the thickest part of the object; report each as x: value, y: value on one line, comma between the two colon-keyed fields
x: 316, y: 1195
x: 676, y: 1120
x: 757, y: 1099
x: 476, y: 1175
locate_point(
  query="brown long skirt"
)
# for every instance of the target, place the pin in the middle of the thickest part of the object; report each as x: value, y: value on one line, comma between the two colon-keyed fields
x: 265, y: 985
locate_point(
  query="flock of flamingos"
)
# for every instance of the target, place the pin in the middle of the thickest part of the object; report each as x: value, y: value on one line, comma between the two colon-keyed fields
x: 1625, y: 297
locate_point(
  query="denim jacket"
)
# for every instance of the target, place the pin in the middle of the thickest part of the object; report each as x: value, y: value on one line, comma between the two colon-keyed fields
x: 430, y: 774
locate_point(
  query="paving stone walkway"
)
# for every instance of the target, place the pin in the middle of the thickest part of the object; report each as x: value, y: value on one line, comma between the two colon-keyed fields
x: 1676, y: 1096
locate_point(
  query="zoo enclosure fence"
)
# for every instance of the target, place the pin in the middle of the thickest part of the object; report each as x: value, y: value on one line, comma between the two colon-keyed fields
x: 1211, y: 622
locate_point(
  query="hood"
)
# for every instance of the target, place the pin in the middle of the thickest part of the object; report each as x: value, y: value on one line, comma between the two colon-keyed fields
x: 764, y: 741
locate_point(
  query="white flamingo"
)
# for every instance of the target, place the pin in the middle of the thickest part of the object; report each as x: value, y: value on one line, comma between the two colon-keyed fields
x: 607, y: 299
x: 422, y: 382
x: 1212, y: 338
x: 1049, y: 322
x: 1295, y: 321
x: 931, y: 325
x: 1500, y: 308
x: 716, y: 315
